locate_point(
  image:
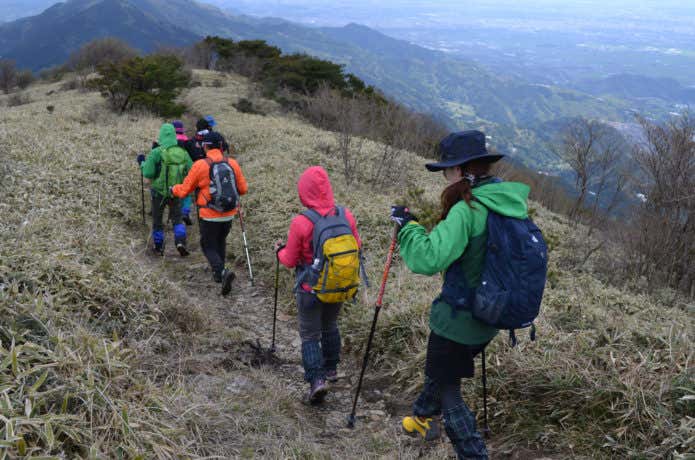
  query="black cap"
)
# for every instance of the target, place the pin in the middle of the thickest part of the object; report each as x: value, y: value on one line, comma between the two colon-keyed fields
x: 462, y: 147
x: 202, y: 125
x: 213, y: 140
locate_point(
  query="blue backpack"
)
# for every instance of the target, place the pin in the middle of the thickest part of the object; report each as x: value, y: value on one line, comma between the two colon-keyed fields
x: 513, y: 277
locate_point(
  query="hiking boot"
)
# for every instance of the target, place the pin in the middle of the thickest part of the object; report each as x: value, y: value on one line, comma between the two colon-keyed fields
x: 227, y: 278
x: 182, y: 249
x: 217, y: 277
x: 332, y: 376
x: 159, y: 249
x: 187, y: 219
x: 427, y: 427
x: 318, y: 391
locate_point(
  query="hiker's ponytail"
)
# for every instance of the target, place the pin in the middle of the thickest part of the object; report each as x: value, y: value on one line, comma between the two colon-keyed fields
x: 454, y: 193
x: 463, y: 189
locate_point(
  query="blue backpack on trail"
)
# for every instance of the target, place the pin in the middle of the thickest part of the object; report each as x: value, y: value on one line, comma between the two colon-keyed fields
x: 512, y: 280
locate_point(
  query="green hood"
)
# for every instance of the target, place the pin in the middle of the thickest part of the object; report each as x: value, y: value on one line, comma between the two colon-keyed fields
x: 167, y: 136
x: 506, y: 198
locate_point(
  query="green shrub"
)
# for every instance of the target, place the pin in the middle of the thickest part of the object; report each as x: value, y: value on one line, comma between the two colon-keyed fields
x: 151, y: 83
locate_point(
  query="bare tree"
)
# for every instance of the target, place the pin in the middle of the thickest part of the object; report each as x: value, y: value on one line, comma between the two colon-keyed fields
x: 8, y: 75
x: 665, y: 247
x: 85, y: 61
x: 594, y: 153
x: 25, y: 78
x: 202, y: 55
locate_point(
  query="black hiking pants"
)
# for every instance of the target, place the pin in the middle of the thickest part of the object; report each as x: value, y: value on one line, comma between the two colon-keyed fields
x: 213, y: 242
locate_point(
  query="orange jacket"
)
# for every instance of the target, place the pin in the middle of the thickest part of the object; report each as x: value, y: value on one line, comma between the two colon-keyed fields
x: 198, y: 179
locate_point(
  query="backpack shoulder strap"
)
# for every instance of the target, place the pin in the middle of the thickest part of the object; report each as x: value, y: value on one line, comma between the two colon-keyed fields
x: 312, y: 215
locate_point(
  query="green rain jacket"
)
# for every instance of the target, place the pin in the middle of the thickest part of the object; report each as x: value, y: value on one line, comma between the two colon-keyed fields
x: 463, y: 232
x: 168, y: 145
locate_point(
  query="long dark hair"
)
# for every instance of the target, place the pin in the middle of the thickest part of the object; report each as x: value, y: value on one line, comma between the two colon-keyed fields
x: 463, y: 189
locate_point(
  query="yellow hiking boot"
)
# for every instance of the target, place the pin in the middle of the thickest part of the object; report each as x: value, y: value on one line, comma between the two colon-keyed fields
x: 427, y: 427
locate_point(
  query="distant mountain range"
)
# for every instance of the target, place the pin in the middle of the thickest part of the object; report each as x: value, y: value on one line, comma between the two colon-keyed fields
x: 515, y: 113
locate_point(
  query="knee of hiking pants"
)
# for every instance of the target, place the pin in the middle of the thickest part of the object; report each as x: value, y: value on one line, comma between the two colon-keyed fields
x: 309, y: 315
x: 329, y: 317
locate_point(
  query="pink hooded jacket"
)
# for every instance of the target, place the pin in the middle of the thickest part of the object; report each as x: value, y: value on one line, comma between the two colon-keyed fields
x: 315, y: 192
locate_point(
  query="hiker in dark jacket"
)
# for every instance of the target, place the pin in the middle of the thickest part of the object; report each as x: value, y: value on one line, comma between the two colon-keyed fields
x: 185, y: 143
x: 318, y: 327
x: 164, y: 158
x: 459, y: 238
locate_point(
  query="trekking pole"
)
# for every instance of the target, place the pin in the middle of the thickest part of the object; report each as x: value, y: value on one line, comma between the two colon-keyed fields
x: 142, y: 194
x: 275, y: 307
x: 377, y: 308
x: 486, y: 428
x: 246, y: 246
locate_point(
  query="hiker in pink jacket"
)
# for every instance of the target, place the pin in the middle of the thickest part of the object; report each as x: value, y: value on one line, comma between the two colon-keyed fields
x: 318, y: 327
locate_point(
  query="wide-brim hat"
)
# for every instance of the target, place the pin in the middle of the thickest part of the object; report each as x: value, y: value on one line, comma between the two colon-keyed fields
x: 462, y: 147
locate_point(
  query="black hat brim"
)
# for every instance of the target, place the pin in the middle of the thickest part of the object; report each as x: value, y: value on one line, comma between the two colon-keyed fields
x: 488, y: 157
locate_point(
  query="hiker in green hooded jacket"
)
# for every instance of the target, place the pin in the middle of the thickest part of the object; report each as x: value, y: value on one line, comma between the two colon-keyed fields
x: 166, y: 165
x: 459, y: 238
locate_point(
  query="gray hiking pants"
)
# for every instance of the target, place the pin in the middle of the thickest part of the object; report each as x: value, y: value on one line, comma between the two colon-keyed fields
x: 318, y: 329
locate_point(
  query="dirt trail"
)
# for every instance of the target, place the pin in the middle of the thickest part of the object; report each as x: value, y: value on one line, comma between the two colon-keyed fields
x: 222, y: 364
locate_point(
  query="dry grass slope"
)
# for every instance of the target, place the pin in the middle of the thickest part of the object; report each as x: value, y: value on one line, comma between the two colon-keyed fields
x: 106, y: 352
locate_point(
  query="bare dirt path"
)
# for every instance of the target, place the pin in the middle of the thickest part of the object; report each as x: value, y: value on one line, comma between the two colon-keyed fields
x: 251, y: 401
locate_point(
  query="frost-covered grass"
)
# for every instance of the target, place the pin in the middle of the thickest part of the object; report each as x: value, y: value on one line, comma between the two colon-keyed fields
x: 82, y: 318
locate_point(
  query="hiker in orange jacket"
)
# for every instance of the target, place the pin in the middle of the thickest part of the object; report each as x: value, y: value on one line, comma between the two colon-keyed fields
x: 215, y: 223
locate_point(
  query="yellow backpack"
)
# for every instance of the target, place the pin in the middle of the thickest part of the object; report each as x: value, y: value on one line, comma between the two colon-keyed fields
x: 334, y: 275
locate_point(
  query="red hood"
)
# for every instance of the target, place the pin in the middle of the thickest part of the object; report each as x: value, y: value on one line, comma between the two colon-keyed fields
x: 315, y: 190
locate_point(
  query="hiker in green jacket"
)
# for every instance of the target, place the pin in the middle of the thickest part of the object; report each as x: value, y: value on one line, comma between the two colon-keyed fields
x: 166, y: 165
x: 459, y: 238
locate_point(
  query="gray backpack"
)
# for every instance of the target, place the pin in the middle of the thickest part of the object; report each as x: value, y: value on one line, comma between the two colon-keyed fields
x: 224, y: 195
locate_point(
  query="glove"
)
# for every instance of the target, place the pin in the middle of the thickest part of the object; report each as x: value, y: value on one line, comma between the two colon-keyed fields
x: 155, y: 144
x: 140, y: 158
x: 401, y: 215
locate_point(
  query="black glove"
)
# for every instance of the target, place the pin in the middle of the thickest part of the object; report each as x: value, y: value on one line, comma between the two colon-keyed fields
x: 401, y: 215
x: 140, y: 158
